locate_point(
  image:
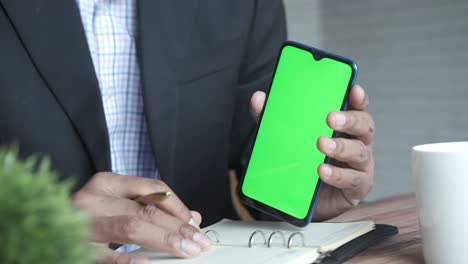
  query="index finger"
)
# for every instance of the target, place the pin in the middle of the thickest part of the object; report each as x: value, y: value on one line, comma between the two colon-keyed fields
x: 356, y: 123
x: 132, y: 187
x: 358, y: 98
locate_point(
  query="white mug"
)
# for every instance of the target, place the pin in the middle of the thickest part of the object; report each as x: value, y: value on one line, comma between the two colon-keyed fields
x: 441, y: 174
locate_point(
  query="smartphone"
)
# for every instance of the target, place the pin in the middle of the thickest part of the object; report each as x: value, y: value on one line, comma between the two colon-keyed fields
x: 281, y: 177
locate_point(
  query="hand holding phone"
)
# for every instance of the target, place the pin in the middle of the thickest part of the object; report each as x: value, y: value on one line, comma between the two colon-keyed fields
x: 281, y: 178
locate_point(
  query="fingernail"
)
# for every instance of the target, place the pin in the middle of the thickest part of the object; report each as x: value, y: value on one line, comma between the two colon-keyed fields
x: 340, y: 119
x: 331, y: 144
x: 189, y: 247
x: 193, y: 223
x: 326, y: 171
x: 202, y: 240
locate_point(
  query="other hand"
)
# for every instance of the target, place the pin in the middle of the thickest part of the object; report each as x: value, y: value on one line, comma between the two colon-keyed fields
x: 117, y: 219
x: 350, y: 177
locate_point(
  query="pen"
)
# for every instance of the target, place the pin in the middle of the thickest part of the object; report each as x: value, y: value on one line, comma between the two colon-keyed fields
x: 153, y: 198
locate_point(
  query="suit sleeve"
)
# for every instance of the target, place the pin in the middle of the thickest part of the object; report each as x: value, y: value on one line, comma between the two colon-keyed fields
x: 267, y: 33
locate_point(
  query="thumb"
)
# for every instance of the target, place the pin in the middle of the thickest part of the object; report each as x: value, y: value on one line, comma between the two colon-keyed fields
x: 108, y: 256
x: 256, y: 104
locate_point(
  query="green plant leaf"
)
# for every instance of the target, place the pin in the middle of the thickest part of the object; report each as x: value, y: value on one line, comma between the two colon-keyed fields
x: 38, y: 223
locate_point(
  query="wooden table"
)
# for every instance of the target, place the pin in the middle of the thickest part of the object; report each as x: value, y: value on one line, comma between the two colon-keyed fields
x: 399, y: 211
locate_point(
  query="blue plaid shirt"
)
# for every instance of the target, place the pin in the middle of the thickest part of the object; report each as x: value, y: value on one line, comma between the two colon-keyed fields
x: 110, y: 27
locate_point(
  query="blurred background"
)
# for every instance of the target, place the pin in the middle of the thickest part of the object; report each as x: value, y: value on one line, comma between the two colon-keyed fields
x: 413, y: 62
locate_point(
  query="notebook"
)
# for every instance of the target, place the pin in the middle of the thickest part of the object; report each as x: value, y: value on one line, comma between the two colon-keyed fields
x: 269, y: 242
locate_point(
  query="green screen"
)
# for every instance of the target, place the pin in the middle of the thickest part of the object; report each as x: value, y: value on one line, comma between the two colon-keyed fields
x: 282, y: 171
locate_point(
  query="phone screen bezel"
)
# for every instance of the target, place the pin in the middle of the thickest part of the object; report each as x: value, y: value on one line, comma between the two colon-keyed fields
x: 317, y: 54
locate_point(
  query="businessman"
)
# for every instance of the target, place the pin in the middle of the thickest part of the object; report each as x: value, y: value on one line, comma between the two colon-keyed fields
x: 165, y: 90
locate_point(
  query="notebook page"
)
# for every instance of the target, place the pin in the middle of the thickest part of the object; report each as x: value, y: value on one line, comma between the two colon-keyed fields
x: 236, y: 255
x: 326, y: 236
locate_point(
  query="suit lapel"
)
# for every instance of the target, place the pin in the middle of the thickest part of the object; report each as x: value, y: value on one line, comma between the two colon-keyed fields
x: 52, y: 34
x: 164, y: 33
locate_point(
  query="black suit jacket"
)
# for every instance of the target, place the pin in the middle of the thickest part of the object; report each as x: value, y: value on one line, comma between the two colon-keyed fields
x: 200, y: 60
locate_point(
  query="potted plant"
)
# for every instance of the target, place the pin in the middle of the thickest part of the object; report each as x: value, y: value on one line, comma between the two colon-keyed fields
x: 38, y: 223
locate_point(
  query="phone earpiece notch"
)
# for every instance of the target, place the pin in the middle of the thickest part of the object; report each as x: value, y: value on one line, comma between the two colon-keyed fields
x: 317, y: 56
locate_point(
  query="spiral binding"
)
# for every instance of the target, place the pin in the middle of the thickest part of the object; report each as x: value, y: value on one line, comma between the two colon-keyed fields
x: 214, y: 233
x: 266, y: 241
x: 253, y: 235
